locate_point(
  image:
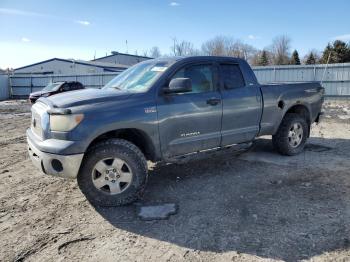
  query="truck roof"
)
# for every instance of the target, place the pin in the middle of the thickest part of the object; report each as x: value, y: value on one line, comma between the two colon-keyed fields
x: 200, y: 58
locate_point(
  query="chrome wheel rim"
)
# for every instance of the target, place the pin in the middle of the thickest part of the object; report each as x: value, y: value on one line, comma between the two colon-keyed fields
x: 295, y: 135
x: 112, y: 176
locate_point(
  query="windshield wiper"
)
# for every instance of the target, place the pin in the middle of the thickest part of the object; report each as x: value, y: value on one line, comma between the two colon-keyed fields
x: 117, y: 87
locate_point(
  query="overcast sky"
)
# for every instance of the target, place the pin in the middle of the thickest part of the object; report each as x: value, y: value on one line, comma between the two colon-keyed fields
x: 32, y: 31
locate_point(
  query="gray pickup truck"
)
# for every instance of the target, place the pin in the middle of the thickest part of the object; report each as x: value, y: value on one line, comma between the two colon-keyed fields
x: 164, y: 110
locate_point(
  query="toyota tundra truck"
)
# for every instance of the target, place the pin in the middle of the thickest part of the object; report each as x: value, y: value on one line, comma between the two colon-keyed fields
x: 163, y: 110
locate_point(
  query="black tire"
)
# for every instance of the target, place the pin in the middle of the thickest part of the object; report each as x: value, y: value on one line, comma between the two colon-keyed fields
x: 281, y: 141
x: 125, y: 151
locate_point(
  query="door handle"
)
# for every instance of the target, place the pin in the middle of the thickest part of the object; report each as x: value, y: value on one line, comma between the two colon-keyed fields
x: 213, y: 101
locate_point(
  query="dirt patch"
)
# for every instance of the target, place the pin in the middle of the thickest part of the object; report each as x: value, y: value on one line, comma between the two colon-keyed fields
x: 252, y: 207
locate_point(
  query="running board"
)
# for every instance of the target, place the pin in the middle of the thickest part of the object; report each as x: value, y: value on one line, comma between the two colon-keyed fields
x: 234, y: 149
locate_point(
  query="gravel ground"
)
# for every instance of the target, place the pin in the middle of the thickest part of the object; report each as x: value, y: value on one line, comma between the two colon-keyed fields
x: 252, y: 207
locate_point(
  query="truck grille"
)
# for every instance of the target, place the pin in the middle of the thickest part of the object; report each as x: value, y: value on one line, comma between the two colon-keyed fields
x: 36, y: 124
x: 39, y: 117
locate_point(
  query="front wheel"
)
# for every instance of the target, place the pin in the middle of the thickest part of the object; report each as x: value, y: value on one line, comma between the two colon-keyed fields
x: 291, y: 136
x: 114, y: 173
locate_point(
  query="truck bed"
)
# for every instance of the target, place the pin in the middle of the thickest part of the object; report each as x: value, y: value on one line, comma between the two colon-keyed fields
x: 278, y: 98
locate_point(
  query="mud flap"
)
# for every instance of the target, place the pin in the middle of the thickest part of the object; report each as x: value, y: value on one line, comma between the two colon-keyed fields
x: 319, y: 118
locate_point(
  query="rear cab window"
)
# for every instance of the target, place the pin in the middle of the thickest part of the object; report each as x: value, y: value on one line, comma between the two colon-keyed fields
x: 75, y: 86
x: 232, y: 76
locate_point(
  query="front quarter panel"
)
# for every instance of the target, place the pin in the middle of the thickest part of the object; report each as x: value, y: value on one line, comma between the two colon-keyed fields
x: 137, y: 112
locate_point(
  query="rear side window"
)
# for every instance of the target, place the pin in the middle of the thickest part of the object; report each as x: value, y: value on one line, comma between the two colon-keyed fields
x: 75, y: 86
x: 232, y: 76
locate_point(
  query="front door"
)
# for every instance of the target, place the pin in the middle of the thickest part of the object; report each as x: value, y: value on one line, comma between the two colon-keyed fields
x: 190, y: 122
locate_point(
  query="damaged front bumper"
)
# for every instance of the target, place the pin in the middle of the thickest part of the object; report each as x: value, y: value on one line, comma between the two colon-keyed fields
x: 66, y: 166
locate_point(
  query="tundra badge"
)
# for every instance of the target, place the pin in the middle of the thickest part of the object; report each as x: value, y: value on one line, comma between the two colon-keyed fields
x: 150, y: 110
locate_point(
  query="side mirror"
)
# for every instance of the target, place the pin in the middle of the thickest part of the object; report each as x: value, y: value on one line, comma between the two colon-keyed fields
x: 179, y: 85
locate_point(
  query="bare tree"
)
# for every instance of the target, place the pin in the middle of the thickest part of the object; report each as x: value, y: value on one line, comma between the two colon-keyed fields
x: 228, y: 46
x: 241, y: 50
x: 155, y: 52
x: 183, y: 48
x: 280, y: 49
x: 215, y: 46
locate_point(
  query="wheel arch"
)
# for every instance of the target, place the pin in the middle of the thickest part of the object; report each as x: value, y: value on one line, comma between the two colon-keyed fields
x: 300, y: 109
x: 136, y: 136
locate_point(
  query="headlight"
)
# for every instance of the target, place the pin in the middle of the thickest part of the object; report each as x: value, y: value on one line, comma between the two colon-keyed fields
x: 65, y: 123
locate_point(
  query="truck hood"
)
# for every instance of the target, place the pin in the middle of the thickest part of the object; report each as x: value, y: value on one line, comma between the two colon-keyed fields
x: 86, y: 96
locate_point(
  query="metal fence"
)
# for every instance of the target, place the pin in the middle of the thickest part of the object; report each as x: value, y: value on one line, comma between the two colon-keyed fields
x: 336, y: 78
x: 23, y: 85
x: 4, y: 87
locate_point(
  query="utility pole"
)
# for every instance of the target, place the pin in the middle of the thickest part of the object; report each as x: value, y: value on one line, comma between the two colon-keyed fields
x: 325, y: 69
x: 174, y: 45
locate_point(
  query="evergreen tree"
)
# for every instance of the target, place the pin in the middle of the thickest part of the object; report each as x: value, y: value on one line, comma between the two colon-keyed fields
x: 295, y: 60
x: 326, y: 53
x: 263, y: 59
x: 337, y: 52
x: 311, y: 59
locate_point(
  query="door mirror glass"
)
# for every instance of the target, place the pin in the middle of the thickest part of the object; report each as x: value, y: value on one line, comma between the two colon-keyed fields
x: 179, y: 85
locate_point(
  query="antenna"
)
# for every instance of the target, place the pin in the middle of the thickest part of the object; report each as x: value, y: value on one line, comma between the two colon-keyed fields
x: 126, y: 43
x: 324, y: 72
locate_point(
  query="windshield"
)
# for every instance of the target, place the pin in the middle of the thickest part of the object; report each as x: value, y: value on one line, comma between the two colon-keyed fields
x: 138, y: 78
x: 51, y: 86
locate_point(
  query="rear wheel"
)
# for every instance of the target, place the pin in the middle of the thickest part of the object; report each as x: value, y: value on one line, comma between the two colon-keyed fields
x: 291, y: 136
x: 114, y: 173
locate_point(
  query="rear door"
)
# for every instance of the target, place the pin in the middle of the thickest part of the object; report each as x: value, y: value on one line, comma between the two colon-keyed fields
x: 190, y: 122
x: 242, y: 106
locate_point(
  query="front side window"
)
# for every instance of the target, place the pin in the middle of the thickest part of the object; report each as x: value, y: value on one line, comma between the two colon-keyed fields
x: 232, y: 76
x: 200, y: 75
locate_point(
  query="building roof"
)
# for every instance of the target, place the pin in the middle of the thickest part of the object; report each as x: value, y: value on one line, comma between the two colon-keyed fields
x: 81, y: 62
x: 117, y: 53
x: 101, y: 64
